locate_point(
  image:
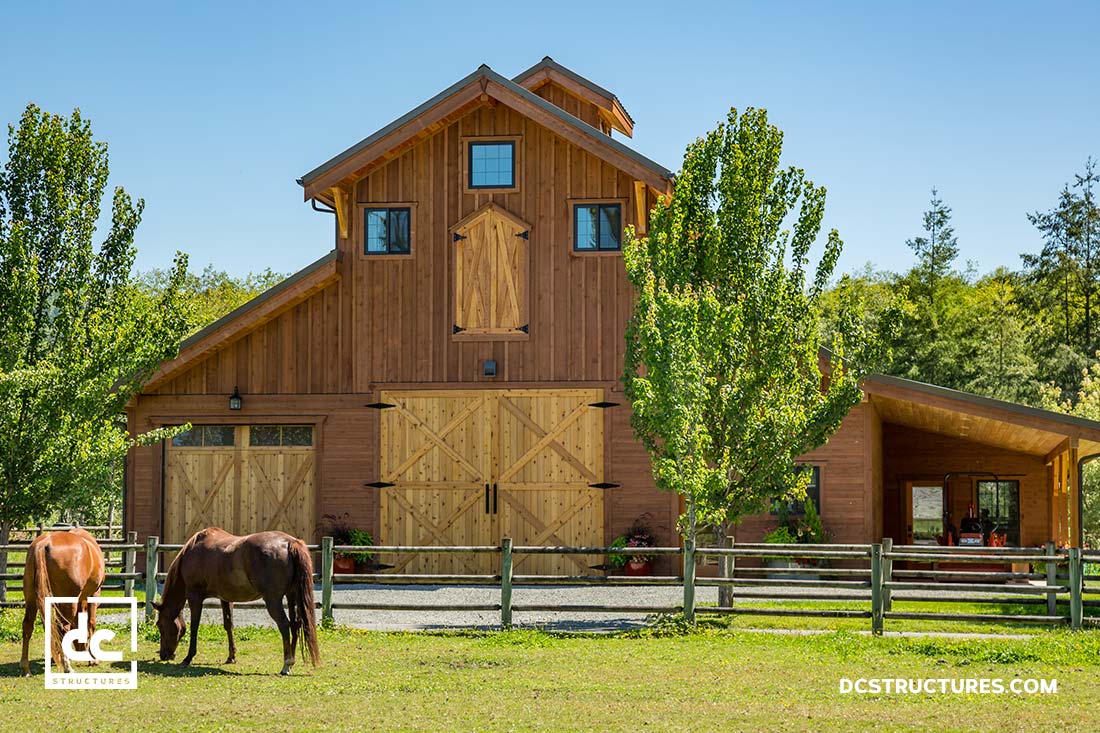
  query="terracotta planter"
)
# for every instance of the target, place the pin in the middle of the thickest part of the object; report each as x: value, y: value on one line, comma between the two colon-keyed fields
x: 639, y: 568
x: 343, y: 565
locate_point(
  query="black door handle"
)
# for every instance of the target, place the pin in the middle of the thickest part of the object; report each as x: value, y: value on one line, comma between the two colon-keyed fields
x: 486, y: 498
x: 494, y: 498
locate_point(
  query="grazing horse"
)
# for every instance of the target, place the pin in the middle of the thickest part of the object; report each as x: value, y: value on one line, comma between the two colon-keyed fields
x: 216, y: 564
x: 67, y: 563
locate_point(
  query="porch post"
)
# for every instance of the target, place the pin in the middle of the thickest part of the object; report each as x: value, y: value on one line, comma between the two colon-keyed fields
x: 1052, y: 579
x: 876, y: 590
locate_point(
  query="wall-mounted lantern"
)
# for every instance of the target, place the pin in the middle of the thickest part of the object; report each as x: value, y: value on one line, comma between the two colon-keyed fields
x: 235, y: 400
x: 489, y: 368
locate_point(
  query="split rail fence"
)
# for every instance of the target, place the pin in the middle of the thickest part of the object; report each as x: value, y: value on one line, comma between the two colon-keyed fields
x: 1049, y: 584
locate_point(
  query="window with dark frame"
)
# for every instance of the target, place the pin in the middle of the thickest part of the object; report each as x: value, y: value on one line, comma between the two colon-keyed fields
x: 492, y: 164
x: 386, y: 231
x: 999, y: 509
x: 813, y: 493
x: 280, y: 435
x: 206, y: 436
x: 597, y: 227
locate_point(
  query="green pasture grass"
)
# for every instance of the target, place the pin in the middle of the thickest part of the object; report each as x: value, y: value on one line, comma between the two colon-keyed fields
x: 658, y: 678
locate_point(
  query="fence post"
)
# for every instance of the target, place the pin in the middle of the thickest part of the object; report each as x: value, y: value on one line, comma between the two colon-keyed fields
x: 326, y: 579
x: 506, y: 583
x: 887, y: 573
x: 689, y: 580
x: 876, y: 590
x: 151, y: 544
x: 129, y: 559
x: 1076, y: 608
x: 1052, y: 579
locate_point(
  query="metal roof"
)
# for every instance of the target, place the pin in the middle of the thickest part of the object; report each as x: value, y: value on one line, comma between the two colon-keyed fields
x: 549, y: 63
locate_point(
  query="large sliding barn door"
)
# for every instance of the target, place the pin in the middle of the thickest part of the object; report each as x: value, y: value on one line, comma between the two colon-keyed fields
x: 241, y: 478
x: 550, y: 452
x: 435, y: 451
x: 471, y: 467
x: 491, y: 260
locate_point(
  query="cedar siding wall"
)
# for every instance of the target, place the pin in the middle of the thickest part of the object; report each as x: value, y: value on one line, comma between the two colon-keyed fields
x: 846, y: 495
x: 914, y: 455
x: 388, y: 321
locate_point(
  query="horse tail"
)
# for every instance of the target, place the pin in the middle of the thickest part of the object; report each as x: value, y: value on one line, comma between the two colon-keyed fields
x: 42, y: 591
x: 302, y: 580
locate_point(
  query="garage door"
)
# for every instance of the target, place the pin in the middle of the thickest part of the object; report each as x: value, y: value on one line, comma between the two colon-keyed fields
x: 241, y: 478
x: 471, y: 467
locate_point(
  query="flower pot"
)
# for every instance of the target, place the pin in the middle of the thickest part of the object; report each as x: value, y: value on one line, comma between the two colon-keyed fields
x: 781, y: 564
x: 645, y: 567
x: 343, y: 565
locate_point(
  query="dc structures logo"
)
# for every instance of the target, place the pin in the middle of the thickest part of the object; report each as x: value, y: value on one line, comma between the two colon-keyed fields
x: 94, y: 648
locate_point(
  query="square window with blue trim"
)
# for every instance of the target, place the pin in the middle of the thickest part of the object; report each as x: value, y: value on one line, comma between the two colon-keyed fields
x: 386, y: 231
x: 597, y: 227
x: 492, y: 164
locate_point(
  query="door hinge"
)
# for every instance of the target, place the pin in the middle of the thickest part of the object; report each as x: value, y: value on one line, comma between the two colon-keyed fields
x: 603, y: 405
x: 524, y: 328
x: 604, y: 485
x: 379, y: 485
x: 380, y: 405
x: 526, y: 234
x: 458, y: 237
x: 458, y: 328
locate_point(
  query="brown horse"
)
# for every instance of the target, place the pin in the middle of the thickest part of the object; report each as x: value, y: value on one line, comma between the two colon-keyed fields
x: 216, y: 564
x: 63, y: 564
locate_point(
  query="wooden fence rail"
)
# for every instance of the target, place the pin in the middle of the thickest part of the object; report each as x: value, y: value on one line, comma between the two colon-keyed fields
x: 1057, y: 579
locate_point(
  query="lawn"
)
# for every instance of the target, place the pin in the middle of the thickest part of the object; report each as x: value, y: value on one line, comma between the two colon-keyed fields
x: 712, y: 679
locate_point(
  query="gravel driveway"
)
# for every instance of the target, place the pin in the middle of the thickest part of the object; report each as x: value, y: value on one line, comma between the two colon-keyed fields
x: 446, y: 595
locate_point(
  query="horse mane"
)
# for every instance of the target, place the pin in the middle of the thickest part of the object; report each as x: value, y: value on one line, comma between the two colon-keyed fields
x: 175, y: 588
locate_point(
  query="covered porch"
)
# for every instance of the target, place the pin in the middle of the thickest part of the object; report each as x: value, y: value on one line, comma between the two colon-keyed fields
x: 958, y: 468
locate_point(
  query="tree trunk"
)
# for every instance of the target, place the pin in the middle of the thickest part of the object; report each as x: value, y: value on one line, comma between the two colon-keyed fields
x: 725, y: 567
x: 5, y: 535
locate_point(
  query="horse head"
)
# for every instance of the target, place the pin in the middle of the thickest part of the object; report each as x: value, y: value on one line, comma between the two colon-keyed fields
x: 171, y: 628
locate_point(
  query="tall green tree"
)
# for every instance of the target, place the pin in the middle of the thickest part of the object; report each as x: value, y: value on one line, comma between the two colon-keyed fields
x: 924, y: 353
x: 723, y: 365
x: 936, y: 251
x: 211, y: 294
x: 1068, y: 267
x: 77, y: 339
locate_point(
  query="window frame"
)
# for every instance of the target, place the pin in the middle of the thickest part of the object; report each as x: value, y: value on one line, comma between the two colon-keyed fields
x: 467, y: 163
x: 361, y: 223
x: 574, y: 204
x: 798, y: 508
x: 1012, y: 529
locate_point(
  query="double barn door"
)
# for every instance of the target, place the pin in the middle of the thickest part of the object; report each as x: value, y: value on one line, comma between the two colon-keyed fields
x: 471, y: 467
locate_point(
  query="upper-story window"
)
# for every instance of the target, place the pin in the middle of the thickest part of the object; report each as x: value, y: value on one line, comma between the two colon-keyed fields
x: 597, y: 227
x: 386, y: 231
x: 492, y: 164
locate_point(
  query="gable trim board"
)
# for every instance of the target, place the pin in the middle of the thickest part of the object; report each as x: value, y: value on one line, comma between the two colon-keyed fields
x: 356, y: 160
x: 549, y: 70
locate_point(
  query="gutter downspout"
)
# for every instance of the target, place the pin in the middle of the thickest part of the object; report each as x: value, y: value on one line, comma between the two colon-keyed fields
x: 1081, y: 495
x: 335, y: 219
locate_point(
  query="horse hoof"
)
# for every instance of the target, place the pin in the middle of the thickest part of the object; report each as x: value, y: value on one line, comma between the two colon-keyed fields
x: 231, y: 660
x: 186, y: 662
x: 285, y: 672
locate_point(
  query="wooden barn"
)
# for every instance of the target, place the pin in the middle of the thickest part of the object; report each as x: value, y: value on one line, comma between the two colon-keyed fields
x: 449, y: 372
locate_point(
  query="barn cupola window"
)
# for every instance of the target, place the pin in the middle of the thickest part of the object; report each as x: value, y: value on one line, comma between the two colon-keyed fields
x: 492, y: 164
x: 597, y: 227
x: 387, y: 230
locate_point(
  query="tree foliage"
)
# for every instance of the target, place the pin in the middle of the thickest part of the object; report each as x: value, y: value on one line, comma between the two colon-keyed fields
x: 723, y: 361
x: 208, y: 295
x: 77, y: 339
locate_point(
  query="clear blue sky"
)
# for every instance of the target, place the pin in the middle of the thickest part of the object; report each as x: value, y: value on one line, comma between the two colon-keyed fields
x: 213, y: 110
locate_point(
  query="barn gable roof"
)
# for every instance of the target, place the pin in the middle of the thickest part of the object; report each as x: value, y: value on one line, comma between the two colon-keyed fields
x: 469, y: 92
x: 267, y: 305
x: 549, y: 70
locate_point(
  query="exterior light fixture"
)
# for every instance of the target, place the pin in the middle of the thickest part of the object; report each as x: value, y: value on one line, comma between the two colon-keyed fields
x: 235, y: 400
x: 489, y: 368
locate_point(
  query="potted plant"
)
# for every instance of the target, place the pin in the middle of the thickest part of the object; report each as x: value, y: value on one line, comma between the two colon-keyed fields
x: 342, y: 532
x: 640, y: 536
x: 781, y: 535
